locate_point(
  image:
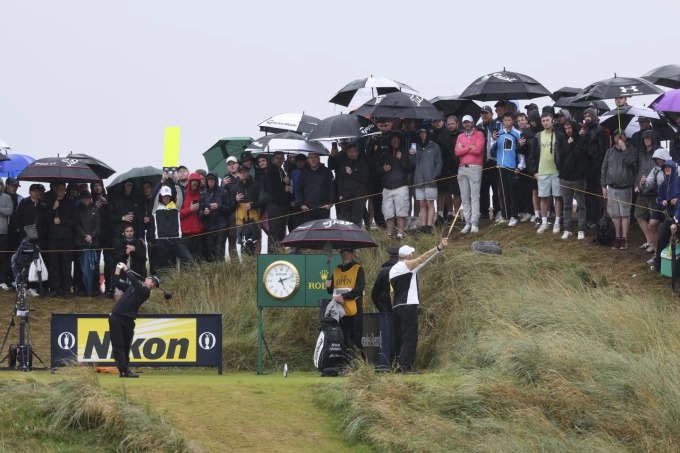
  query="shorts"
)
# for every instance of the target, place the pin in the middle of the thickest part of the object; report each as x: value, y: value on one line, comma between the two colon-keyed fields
x: 395, y: 202
x: 549, y: 186
x: 426, y: 192
x: 619, y: 201
x: 644, y: 204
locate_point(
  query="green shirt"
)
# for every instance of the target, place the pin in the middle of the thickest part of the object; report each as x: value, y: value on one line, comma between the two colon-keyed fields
x: 546, y: 163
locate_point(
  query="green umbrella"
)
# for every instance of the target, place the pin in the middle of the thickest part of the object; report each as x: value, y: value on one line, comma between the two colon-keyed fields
x: 217, y: 154
x: 137, y: 176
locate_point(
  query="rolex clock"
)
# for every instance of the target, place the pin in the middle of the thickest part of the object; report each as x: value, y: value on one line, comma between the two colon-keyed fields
x: 281, y: 280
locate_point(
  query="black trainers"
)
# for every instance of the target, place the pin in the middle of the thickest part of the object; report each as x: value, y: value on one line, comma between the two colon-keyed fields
x: 128, y: 374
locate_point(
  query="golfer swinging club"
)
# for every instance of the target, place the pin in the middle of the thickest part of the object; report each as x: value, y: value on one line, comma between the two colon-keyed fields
x: 124, y: 313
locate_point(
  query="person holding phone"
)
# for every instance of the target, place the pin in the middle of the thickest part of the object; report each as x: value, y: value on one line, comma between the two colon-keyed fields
x: 192, y: 226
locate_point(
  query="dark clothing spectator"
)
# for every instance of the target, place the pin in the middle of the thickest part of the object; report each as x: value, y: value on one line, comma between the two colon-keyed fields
x: 277, y: 185
x: 314, y: 190
x: 168, y: 241
x: 595, y: 142
x: 192, y: 227
x: 62, y: 221
x: 216, y: 206
x: 352, y: 177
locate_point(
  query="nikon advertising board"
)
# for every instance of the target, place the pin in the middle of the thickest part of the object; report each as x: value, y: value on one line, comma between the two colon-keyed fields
x: 160, y: 340
x: 293, y: 280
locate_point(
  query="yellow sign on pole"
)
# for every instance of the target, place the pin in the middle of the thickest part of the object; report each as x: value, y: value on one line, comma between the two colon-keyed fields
x: 171, y: 148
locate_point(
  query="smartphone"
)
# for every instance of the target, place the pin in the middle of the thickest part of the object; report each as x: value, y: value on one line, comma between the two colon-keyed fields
x: 194, y: 201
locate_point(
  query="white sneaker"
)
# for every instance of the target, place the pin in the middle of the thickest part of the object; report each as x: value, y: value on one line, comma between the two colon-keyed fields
x: 543, y: 228
x: 581, y: 235
x: 533, y: 218
x: 32, y: 292
x: 499, y: 217
x: 556, y: 228
x: 650, y: 249
x: 566, y: 235
x: 474, y: 229
x: 512, y: 222
x: 645, y: 245
x: 4, y: 287
x: 525, y: 218
x: 466, y: 229
x: 501, y: 220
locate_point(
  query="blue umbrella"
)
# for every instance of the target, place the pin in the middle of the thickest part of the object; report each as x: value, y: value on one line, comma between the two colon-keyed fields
x: 15, y: 165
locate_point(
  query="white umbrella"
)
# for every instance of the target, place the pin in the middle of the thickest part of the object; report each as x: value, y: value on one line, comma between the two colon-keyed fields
x: 4, y: 146
x: 293, y: 122
x: 286, y: 142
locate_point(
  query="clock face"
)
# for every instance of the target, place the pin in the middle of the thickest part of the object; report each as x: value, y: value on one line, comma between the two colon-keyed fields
x: 281, y: 280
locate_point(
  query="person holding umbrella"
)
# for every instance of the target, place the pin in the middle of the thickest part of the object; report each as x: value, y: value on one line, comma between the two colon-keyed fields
x: 347, y: 286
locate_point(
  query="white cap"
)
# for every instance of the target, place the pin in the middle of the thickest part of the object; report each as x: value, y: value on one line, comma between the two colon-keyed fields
x: 468, y: 118
x: 405, y: 250
x: 165, y: 190
x: 232, y: 159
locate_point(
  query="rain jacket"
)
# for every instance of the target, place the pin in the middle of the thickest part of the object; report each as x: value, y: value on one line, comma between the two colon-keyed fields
x: 506, y: 149
x: 190, y: 220
x: 88, y: 223
x: 595, y: 141
x: 427, y: 162
x: 399, y: 168
x: 251, y: 190
x: 315, y: 188
x: 618, y: 167
x: 218, y: 218
x: 655, y: 177
x: 645, y: 164
x: 572, y: 162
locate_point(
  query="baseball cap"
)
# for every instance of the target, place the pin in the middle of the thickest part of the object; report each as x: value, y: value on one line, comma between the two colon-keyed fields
x: 486, y: 109
x: 156, y: 280
x: 232, y: 159
x: 531, y: 106
x: 166, y: 191
x: 468, y: 118
x: 405, y: 250
x: 243, y: 168
x: 12, y: 182
x: 182, y: 167
x: 347, y: 249
x: 393, y: 250
x: 647, y: 134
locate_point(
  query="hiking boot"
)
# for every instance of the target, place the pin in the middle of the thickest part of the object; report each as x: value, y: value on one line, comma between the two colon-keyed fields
x: 581, y: 235
x: 566, y: 235
x: 466, y: 229
x: 512, y: 222
x: 616, y: 244
x: 624, y: 244
x: 543, y: 228
x: 474, y: 229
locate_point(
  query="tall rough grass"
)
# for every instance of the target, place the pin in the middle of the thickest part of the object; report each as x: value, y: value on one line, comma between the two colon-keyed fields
x: 75, y: 414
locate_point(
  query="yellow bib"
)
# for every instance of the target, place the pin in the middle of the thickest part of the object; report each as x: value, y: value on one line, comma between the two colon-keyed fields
x: 344, y: 282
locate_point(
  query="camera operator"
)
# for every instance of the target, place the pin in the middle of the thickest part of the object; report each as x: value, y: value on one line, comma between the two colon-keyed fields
x: 124, y: 313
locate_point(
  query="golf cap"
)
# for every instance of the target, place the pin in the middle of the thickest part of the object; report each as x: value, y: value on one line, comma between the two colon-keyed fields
x: 393, y: 250
x: 166, y: 191
x: 405, y: 250
x: 156, y: 280
x: 422, y: 128
x: 486, y: 109
x: 182, y: 167
x: 531, y: 106
x: 12, y: 182
x: 243, y: 168
x: 347, y: 249
x: 468, y: 118
x: 647, y: 134
x: 232, y: 159
x: 247, y: 155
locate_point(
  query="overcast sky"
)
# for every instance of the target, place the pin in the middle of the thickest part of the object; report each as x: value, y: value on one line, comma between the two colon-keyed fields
x: 105, y: 78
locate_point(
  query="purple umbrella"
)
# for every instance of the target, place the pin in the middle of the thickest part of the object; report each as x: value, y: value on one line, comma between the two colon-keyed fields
x: 15, y: 165
x: 667, y: 102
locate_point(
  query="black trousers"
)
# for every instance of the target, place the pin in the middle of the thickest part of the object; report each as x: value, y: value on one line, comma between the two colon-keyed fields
x: 316, y: 214
x: 489, y: 182
x: 214, y: 245
x: 121, y: 331
x: 594, y: 202
x: 168, y: 250
x: 277, y: 216
x: 352, y: 211
x: 508, y: 183
x: 60, y: 266
x: 352, y: 329
x: 405, y: 319
x: 5, y: 258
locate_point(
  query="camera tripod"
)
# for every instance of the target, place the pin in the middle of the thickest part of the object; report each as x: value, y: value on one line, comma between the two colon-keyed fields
x: 20, y: 356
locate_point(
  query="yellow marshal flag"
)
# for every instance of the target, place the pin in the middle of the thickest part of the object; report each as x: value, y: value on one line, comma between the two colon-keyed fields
x: 171, y: 148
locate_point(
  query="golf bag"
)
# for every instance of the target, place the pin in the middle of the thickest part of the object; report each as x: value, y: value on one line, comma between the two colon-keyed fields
x: 329, y: 352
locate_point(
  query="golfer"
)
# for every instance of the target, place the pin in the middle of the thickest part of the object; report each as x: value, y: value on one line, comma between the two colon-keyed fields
x: 124, y: 313
x: 404, y: 283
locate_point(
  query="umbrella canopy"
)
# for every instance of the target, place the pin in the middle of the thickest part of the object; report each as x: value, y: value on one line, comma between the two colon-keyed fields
x: 15, y: 165
x: 565, y: 92
x: 567, y: 103
x: 328, y: 233
x: 285, y: 142
x: 400, y: 105
x: 3, y: 145
x: 629, y: 121
x: 58, y: 169
x: 100, y: 168
x: 455, y: 105
x: 504, y: 85
x: 289, y: 122
x: 216, y: 156
x: 338, y: 127
x: 137, y: 176
x: 667, y: 102
x: 359, y: 91
x: 616, y: 87
x: 666, y: 76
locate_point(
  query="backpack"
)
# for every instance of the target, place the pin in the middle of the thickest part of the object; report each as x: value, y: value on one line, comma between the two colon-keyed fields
x: 605, y: 231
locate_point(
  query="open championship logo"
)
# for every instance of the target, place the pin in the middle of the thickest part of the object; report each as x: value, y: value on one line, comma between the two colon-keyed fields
x: 207, y: 340
x: 66, y: 340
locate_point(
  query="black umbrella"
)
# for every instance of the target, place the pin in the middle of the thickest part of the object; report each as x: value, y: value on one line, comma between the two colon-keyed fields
x: 58, y: 169
x: 666, y: 76
x: 328, y: 234
x: 504, y: 85
x: 360, y: 90
x: 616, y: 87
x: 100, y: 168
x: 400, y: 105
x: 339, y: 127
x: 565, y: 92
x: 455, y: 105
x: 567, y: 103
x: 289, y: 122
x: 627, y: 119
x: 136, y: 176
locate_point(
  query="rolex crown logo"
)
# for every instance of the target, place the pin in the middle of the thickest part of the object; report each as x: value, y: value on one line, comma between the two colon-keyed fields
x: 324, y: 274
